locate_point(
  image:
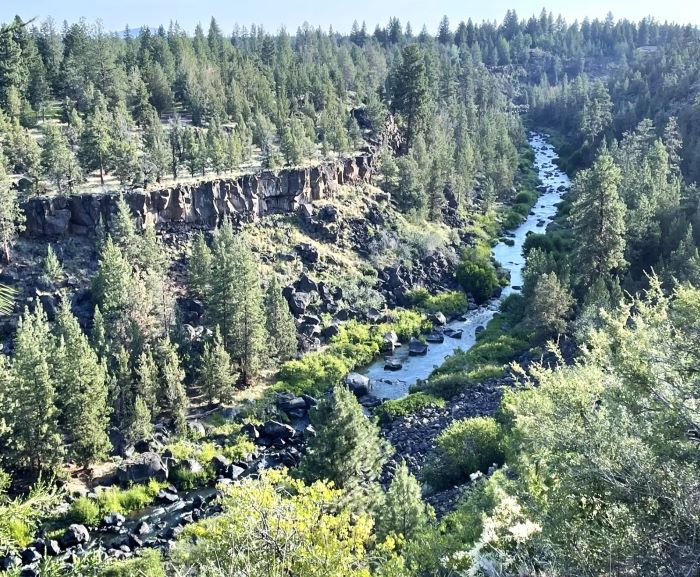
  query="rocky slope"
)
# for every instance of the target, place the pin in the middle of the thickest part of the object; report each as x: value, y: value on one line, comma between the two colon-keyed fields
x: 243, y: 199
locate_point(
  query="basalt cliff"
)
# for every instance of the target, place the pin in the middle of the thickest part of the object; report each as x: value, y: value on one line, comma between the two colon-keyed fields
x: 203, y: 205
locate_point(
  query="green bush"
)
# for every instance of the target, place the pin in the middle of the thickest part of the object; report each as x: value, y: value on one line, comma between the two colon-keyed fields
x: 84, y: 511
x: 408, y: 405
x: 450, y: 303
x: 477, y: 277
x: 465, y: 447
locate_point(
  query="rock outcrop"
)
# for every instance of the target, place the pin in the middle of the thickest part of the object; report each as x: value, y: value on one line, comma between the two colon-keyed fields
x: 204, y: 204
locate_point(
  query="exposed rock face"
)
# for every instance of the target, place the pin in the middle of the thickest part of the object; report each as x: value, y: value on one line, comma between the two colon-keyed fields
x: 204, y: 204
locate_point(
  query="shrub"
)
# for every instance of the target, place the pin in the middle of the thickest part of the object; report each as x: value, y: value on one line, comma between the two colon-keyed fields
x: 84, y: 511
x: 478, y: 278
x: 408, y: 405
x: 450, y: 303
x: 465, y: 447
x: 147, y: 564
x: 314, y: 374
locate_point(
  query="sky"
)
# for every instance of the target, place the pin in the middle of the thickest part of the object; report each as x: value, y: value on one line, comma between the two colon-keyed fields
x: 273, y: 14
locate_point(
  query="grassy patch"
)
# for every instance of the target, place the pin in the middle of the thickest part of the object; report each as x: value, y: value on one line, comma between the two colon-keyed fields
x: 113, y: 500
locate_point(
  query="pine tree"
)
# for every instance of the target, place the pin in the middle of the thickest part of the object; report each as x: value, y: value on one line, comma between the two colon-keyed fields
x: 11, y: 215
x: 199, y: 267
x: 98, y: 335
x: 216, y: 376
x: 216, y: 151
x: 121, y: 389
x: 155, y: 146
x: 550, y: 306
x: 140, y: 427
x: 113, y: 287
x: 147, y: 381
x: 235, y: 304
x: 122, y: 228
x: 347, y: 449
x: 81, y: 384
x: 36, y: 440
x: 95, y: 140
x: 52, y: 266
x: 58, y: 160
x: 403, y: 512
x: 684, y: 263
x: 410, y: 95
x: 598, y: 221
x: 281, y: 329
x: 173, y: 397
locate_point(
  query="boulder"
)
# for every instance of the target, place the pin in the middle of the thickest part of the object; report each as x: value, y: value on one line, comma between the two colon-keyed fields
x: 277, y: 430
x: 307, y: 252
x: 30, y: 556
x: 453, y: 333
x: 435, y: 337
x: 438, y: 319
x: 298, y: 302
x: 358, y: 384
x: 74, y: 535
x: 417, y: 348
x: 392, y: 365
x: 288, y: 402
x: 328, y: 213
x: 305, y: 284
x: 113, y: 520
x: 142, y: 468
x: 330, y: 331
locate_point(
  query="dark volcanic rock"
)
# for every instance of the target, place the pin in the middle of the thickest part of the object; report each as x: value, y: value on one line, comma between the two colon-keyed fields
x: 358, y: 384
x: 142, y: 468
x: 203, y: 204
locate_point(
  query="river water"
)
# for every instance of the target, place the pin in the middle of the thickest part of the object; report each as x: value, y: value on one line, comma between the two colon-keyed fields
x: 395, y: 384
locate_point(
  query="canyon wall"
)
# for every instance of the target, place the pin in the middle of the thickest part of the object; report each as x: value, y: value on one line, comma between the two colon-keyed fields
x: 202, y: 205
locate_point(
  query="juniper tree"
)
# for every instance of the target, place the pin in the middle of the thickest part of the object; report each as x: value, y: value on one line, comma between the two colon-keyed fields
x: 36, y: 440
x: 347, y: 449
x: 81, y: 383
x: 216, y: 375
x: 58, y: 161
x: 281, y: 329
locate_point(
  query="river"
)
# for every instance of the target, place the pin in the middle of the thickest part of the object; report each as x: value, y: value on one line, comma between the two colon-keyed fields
x: 396, y: 384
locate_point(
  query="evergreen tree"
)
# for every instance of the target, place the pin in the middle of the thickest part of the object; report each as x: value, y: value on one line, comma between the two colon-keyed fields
x: 410, y: 93
x: 95, y: 141
x: 36, y: 440
x: 279, y: 321
x: 155, y: 145
x: 113, y: 287
x: 199, y: 267
x: 347, y: 449
x: 121, y: 389
x: 11, y: 215
x: 216, y: 376
x: 98, y: 335
x: 215, y: 147
x: 140, y: 427
x: 58, y: 160
x: 598, y: 222
x: 173, y: 397
x: 403, y: 512
x: 684, y: 263
x: 235, y: 304
x: 147, y: 381
x: 81, y: 383
x: 550, y: 306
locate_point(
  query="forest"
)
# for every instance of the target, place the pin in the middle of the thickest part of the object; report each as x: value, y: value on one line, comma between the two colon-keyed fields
x: 253, y: 322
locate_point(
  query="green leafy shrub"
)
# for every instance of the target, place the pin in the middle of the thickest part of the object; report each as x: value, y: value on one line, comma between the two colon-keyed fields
x: 408, y: 405
x: 477, y: 275
x: 85, y: 511
x: 465, y: 447
x: 147, y: 564
x: 450, y: 303
x: 314, y: 374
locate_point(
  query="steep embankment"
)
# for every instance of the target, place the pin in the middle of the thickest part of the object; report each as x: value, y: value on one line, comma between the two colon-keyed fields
x: 246, y: 198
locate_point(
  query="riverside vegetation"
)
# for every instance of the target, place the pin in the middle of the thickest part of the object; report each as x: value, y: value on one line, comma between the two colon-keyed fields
x: 147, y: 363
